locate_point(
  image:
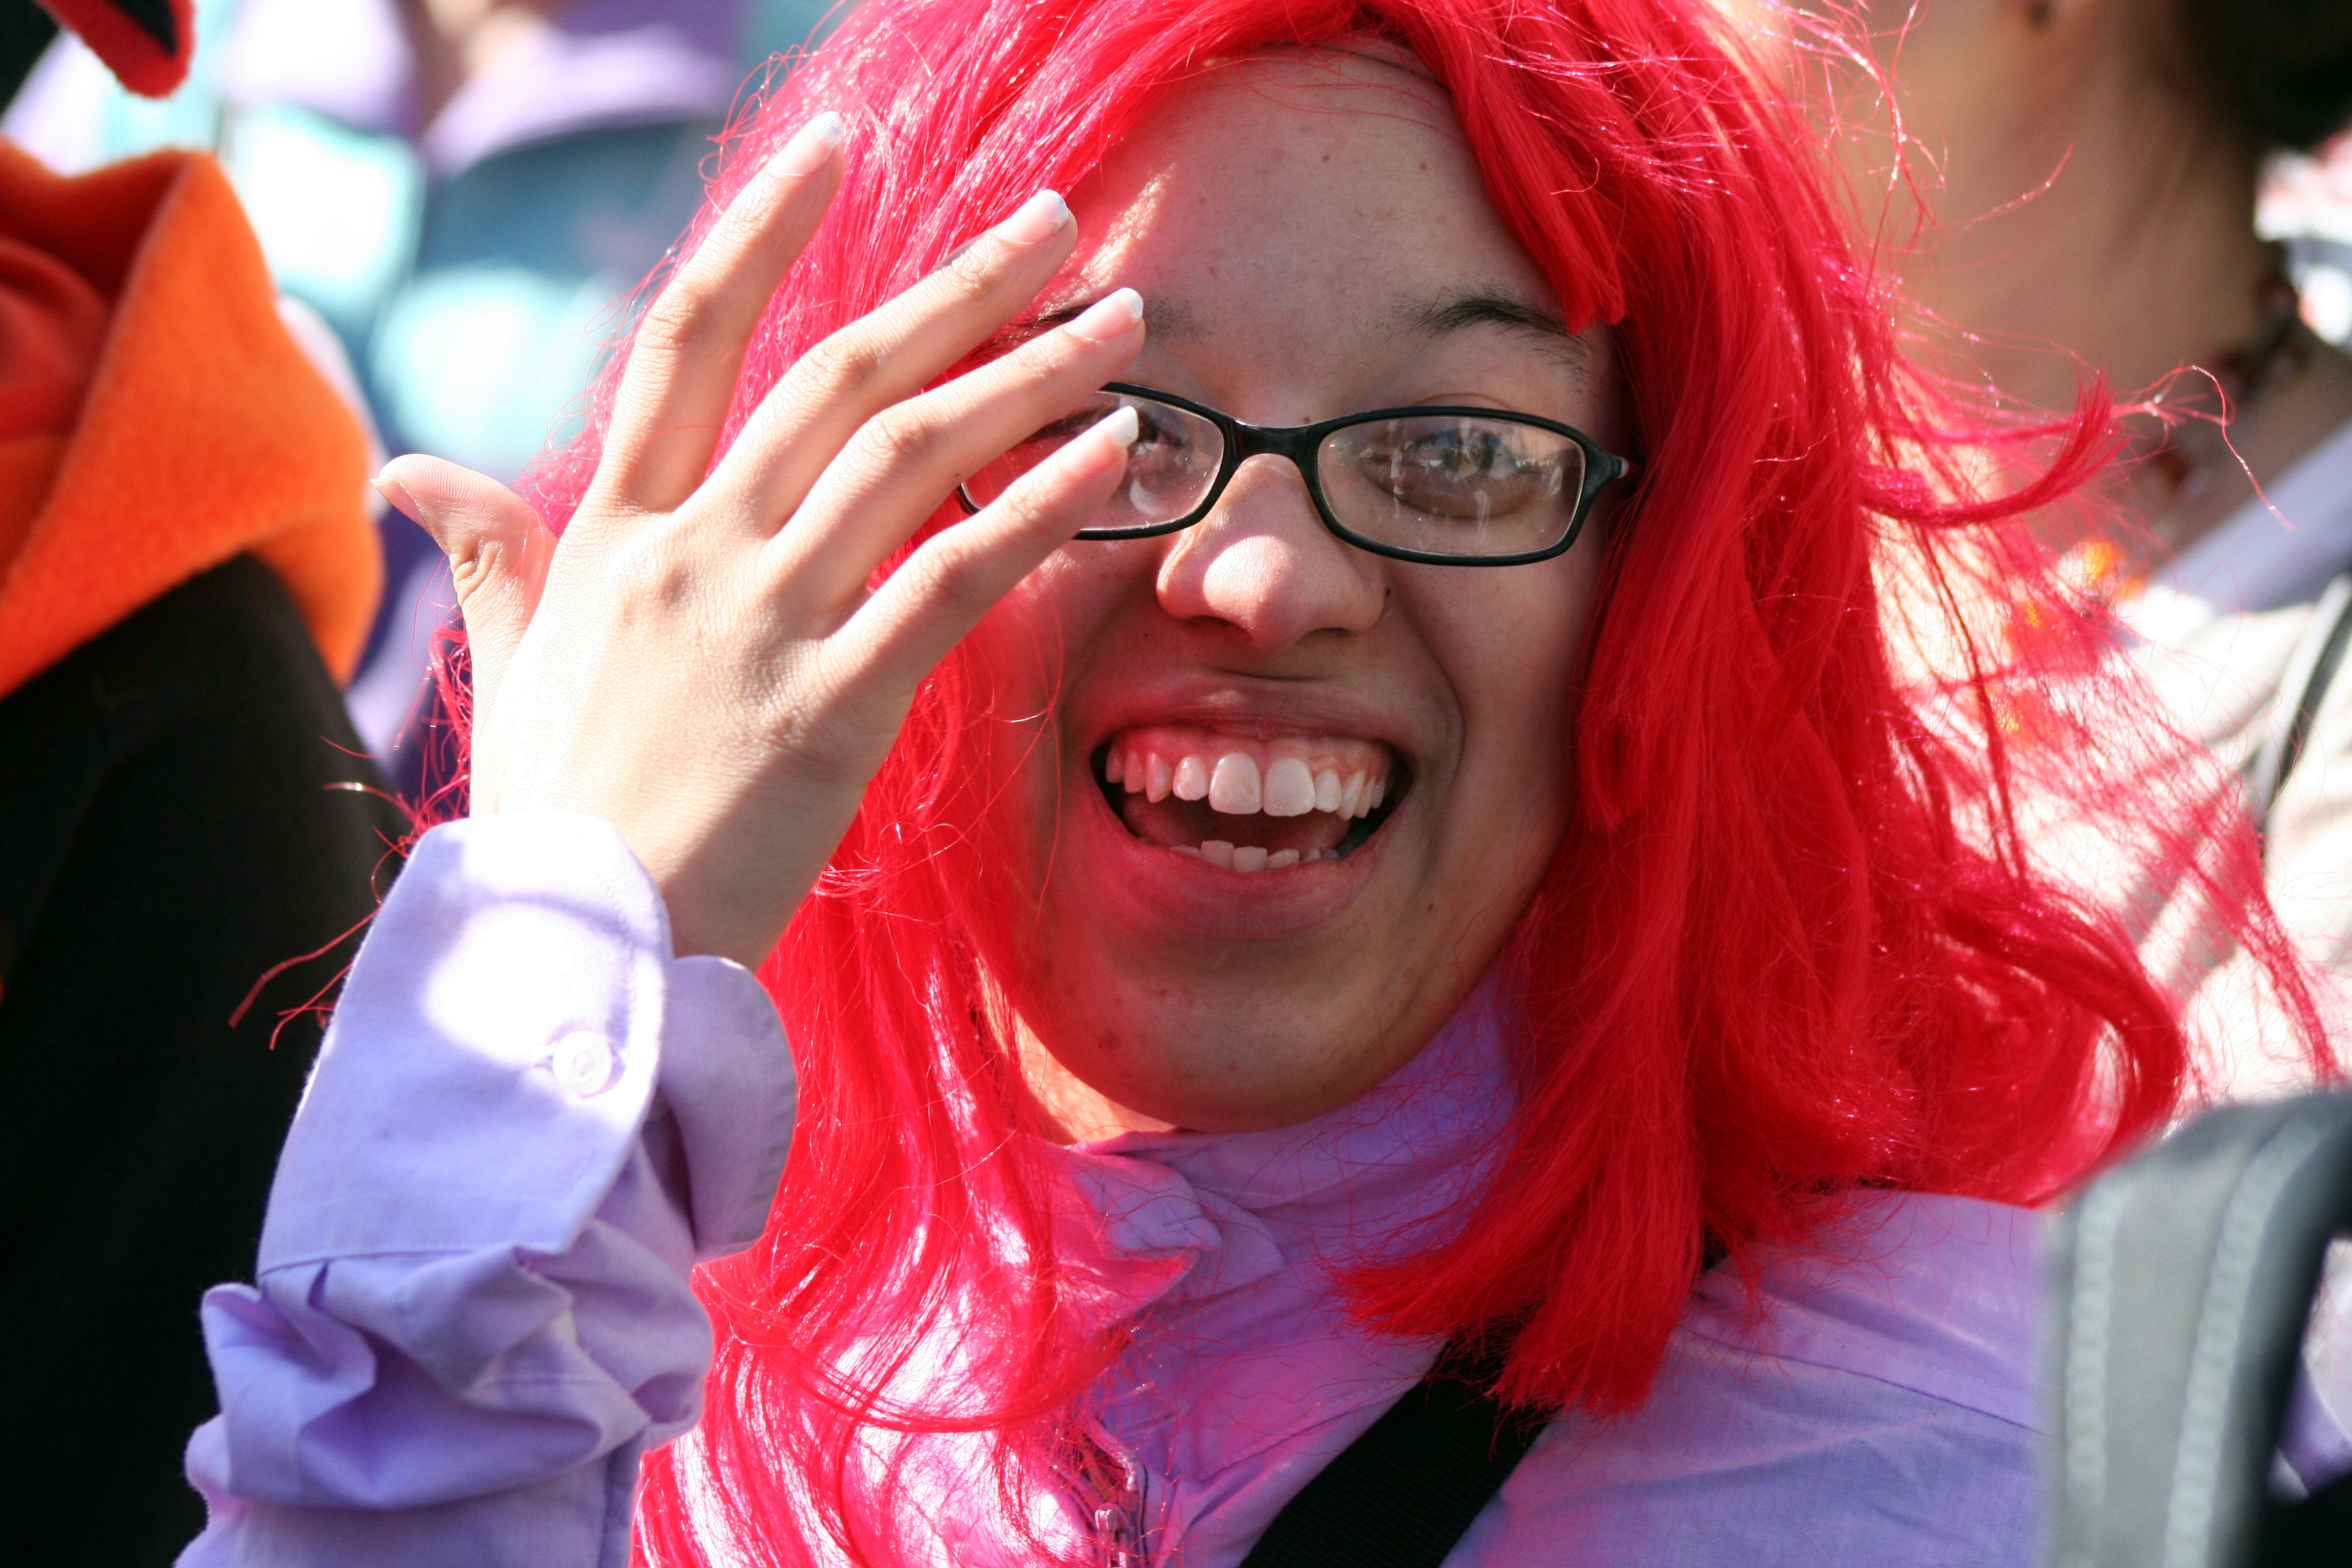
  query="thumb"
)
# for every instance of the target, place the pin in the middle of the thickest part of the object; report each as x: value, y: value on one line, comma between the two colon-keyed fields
x: 498, y: 549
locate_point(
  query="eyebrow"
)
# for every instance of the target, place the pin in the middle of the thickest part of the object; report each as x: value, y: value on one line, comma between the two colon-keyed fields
x: 1159, y: 320
x: 1458, y: 312
x: 1435, y: 317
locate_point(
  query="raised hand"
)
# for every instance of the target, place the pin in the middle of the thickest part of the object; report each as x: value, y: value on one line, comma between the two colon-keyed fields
x: 700, y: 660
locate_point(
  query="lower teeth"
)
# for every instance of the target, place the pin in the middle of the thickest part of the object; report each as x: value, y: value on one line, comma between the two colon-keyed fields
x: 1250, y: 856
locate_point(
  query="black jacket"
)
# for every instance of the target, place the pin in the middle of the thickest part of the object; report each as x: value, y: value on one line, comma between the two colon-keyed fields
x: 183, y: 807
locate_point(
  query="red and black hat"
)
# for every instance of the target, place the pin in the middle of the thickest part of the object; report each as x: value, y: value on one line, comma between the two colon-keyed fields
x: 145, y: 43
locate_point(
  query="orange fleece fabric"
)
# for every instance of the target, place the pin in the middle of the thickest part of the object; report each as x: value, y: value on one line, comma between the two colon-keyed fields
x: 203, y: 432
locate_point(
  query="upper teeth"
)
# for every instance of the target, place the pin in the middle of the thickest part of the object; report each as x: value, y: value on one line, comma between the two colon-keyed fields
x: 1239, y: 778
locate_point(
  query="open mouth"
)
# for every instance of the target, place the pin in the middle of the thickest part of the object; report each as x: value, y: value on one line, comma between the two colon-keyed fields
x: 1249, y: 804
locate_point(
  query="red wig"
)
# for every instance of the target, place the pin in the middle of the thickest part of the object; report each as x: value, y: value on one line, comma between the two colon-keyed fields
x: 1792, y: 944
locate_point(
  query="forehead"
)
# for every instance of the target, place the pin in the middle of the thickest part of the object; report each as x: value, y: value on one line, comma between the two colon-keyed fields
x: 1297, y: 193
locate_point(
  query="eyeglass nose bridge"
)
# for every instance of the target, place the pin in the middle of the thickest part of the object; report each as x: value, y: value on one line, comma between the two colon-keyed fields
x: 1295, y: 444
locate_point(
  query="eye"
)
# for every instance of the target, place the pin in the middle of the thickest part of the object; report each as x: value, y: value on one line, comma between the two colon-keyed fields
x: 1164, y: 443
x: 1453, y: 466
x: 1172, y: 462
x: 1047, y: 439
x: 1170, y: 465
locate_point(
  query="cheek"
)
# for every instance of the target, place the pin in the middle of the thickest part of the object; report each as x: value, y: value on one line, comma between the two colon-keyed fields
x: 1513, y: 650
x: 1027, y: 653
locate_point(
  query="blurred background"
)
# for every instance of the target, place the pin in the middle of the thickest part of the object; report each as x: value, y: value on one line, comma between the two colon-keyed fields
x: 457, y: 193
x: 2307, y: 204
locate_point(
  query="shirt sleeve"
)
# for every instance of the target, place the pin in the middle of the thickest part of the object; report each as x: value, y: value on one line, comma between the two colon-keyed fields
x: 2315, y: 1446
x: 472, y: 1312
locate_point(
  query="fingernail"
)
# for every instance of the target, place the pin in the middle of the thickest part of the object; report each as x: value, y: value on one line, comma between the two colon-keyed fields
x: 810, y: 146
x: 398, y: 495
x: 1101, y: 446
x: 1112, y: 316
x: 1041, y: 217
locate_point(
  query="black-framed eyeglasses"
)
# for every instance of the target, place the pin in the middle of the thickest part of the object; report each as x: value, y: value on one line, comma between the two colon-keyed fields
x: 1452, y: 487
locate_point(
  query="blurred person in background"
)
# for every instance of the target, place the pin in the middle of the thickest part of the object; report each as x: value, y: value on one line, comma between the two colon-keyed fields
x: 461, y: 189
x: 2076, y: 199
x: 190, y: 830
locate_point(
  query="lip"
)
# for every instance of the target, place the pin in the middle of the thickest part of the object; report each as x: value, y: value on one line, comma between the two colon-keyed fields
x: 1153, y: 889
x: 1258, y: 711
x: 1158, y: 889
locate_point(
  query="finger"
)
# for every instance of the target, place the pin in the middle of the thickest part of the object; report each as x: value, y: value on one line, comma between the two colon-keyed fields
x: 498, y: 549
x: 888, y: 355
x: 689, y: 350
x: 925, y: 608
x: 907, y: 459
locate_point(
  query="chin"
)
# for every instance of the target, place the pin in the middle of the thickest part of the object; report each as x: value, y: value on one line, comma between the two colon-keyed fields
x: 1230, y: 1059
x: 1179, y: 1010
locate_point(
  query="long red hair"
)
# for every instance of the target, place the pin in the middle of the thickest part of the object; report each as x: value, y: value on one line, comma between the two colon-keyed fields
x: 1793, y: 943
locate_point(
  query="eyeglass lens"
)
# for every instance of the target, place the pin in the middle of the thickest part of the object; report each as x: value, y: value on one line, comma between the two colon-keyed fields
x: 1440, y: 484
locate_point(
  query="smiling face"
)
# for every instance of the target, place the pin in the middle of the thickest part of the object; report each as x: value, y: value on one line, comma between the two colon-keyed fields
x: 1279, y: 801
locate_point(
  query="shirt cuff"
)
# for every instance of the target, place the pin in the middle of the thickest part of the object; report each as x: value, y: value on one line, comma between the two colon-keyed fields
x: 527, y: 1123
x: 494, y: 1053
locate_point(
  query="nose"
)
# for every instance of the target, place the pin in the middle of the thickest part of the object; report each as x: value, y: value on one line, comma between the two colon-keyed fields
x: 1264, y: 564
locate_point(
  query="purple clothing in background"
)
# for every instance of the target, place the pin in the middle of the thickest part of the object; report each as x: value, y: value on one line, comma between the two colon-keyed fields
x: 473, y: 1315
x: 603, y: 63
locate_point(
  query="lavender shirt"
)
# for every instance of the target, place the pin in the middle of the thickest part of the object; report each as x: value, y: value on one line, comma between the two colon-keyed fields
x: 528, y: 1120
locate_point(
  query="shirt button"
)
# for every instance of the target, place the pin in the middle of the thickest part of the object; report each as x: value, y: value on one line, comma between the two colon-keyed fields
x: 586, y: 1063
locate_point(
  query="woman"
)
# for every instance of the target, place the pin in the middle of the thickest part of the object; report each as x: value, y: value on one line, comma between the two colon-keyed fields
x: 2089, y: 169
x: 1433, y: 880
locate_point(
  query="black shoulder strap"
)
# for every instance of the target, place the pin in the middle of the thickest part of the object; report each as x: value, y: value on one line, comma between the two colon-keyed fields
x: 2183, y: 1282
x: 2302, y: 688
x: 1403, y: 1494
